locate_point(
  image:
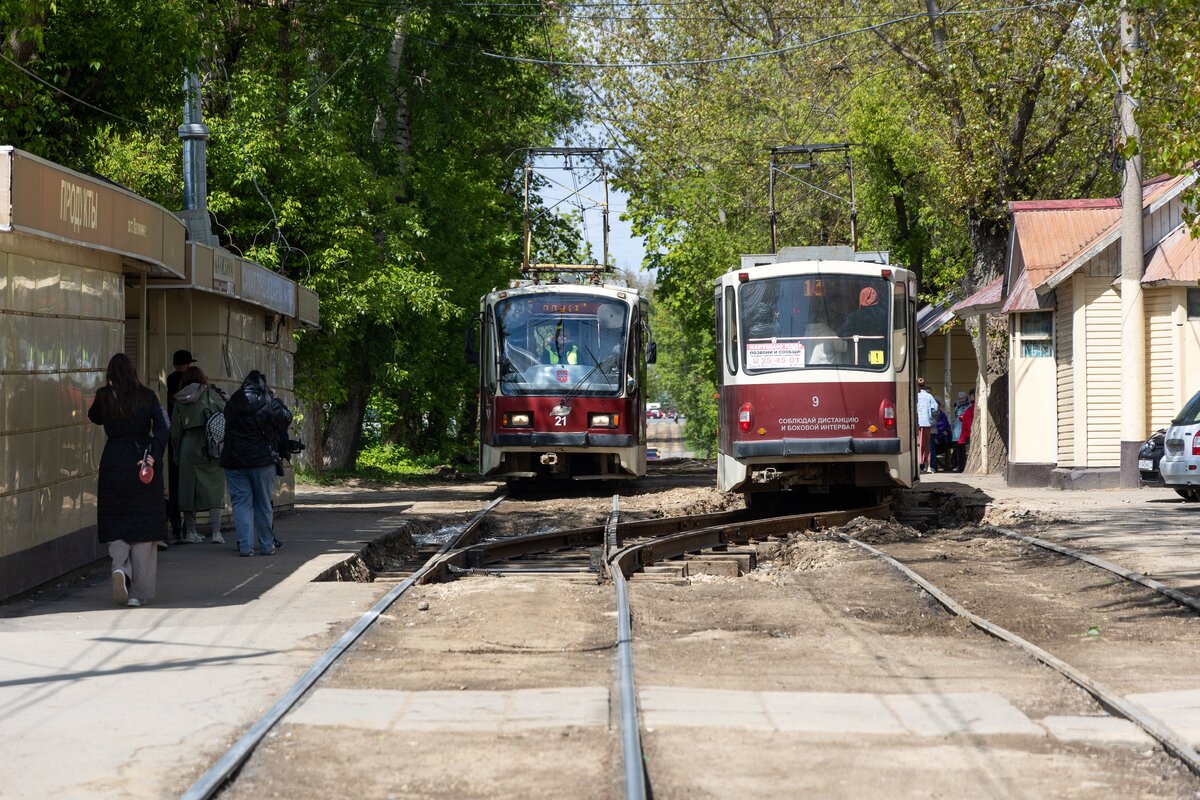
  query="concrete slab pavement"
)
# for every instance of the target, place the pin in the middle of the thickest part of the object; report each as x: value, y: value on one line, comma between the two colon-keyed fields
x: 100, y: 701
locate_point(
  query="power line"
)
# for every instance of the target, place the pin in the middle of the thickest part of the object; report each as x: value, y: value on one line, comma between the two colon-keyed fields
x: 768, y: 53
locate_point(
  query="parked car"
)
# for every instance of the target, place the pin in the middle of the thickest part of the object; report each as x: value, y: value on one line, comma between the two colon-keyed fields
x: 1180, y: 464
x: 1149, y: 455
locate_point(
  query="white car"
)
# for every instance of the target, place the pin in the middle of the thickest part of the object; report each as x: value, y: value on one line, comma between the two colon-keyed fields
x: 1180, y: 464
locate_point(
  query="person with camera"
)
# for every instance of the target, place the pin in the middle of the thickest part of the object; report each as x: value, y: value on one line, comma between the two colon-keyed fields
x: 254, y: 421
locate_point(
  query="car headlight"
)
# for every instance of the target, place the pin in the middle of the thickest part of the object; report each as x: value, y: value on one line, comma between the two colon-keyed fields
x: 604, y: 420
x: 520, y: 419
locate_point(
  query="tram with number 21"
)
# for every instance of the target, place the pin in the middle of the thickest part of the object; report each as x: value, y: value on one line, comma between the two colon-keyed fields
x: 816, y: 375
x: 562, y: 382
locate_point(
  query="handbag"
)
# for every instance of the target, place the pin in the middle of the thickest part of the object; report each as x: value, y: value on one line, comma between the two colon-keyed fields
x: 145, y: 468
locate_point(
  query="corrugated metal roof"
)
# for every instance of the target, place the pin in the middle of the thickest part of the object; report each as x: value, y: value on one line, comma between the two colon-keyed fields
x: 1022, y: 297
x: 984, y: 301
x: 1050, y: 239
x: 1055, y: 237
x: 930, y: 318
x: 1176, y: 259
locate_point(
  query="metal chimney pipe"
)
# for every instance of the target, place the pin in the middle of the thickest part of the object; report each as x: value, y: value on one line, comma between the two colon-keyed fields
x: 194, y: 134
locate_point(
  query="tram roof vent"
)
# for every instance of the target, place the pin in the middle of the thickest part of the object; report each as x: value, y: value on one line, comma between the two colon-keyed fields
x: 829, y: 253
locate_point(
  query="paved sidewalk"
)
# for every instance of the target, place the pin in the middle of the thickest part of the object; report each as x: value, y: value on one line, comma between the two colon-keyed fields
x: 98, y: 701
x: 1149, y: 530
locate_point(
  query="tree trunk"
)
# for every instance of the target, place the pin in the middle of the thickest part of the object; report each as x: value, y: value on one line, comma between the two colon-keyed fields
x: 989, y: 243
x: 343, y: 437
x: 313, y: 456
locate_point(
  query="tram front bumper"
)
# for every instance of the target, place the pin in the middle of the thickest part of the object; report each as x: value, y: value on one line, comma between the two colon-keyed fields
x: 538, y: 440
x: 837, y: 446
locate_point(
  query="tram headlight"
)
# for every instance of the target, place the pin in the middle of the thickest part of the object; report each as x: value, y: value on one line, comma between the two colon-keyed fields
x: 745, y: 417
x: 520, y: 419
x: 604, y: 420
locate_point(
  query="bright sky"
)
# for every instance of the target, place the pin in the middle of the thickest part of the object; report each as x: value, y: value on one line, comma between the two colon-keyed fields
x: 625, y: 249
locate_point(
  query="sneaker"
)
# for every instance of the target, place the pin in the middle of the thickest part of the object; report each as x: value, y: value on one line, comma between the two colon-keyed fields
x: 217, y: 538
x: 161, y: 545
x: 270, y: 552
x: 120, y: 587
x: 278, y: 544
x: 134, y: 603
x: 194, y: 538
x: 246, y: 554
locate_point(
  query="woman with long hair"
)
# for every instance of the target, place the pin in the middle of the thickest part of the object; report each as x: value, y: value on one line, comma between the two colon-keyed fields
x: 130, y: 516
x: 201, y: 479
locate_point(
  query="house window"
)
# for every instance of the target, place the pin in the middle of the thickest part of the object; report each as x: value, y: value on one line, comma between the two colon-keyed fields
x: 1193, y: 303
x: 1035, y: 330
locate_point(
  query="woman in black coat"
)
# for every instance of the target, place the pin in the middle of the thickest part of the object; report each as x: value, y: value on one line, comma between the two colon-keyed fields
x: 130, y: 515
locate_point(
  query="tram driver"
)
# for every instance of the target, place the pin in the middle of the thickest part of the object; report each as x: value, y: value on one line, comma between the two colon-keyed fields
x: 560, y: 348
x: 869, y: 321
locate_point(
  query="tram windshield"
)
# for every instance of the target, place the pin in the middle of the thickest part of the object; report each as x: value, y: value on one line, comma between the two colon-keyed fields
x: 816, y: 321
x: 557, y: 342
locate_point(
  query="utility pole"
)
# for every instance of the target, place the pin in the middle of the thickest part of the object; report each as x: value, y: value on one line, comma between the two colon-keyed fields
x: 1133, y: 313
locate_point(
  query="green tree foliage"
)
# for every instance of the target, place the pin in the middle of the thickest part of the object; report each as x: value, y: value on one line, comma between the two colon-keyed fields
x: 75, y: 70
x: 1166, y: 83
x: 952, y: 112
x: 368, y: 151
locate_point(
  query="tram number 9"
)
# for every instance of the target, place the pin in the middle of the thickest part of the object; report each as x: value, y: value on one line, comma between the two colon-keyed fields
x: 816, y: 401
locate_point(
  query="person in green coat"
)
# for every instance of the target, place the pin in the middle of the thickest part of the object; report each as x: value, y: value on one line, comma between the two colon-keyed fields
x: 201, y: 479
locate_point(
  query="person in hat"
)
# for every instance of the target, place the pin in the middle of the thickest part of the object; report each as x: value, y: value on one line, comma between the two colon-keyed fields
x: 129, y: 508
x: 869, y: 321
x: 181, y: 361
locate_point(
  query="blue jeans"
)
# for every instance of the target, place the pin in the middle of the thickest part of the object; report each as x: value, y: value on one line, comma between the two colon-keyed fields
x: 250, y: 494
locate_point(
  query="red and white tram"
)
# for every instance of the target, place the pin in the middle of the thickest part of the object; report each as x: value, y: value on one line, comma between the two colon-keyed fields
x: 562, y: 382
x: 817, y: 371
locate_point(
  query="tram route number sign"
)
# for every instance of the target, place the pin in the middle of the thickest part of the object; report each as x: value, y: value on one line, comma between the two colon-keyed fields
x: 774, y: 354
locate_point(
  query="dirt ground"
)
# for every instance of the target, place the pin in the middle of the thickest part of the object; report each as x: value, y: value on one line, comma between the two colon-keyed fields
x: 817, y: 616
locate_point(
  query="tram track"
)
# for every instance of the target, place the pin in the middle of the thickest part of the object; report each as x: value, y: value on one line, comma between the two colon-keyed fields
x: 626, y: 549
x: 1173, y: 741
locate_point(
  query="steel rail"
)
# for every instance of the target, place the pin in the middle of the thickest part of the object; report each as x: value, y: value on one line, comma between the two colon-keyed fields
x: 222, y: 771
x: 1169, y: 739
x: 1179, y: 597
x: 478, y: 556
x: 631, y: 737
x: 641, y: 554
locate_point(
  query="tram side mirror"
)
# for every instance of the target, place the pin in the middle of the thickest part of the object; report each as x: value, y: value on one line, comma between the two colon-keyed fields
x: 472, y: 349
x: 652, y: 352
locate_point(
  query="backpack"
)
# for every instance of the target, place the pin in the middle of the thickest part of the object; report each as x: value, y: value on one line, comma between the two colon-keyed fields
x: 214, y: 435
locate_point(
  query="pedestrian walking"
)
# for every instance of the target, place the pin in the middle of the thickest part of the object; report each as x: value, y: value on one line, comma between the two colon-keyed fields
x: 180, y: 361
x: 201, y: 482
x: 927, y: 407
x: 254, y: 420
x: 130, y: 515
x: 958, y: 459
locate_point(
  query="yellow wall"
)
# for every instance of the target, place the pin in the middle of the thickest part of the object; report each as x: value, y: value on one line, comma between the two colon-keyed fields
x: 1033, y: 383
x: 962, y: 364
x: 228, y: 338
x: 61, y: 319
